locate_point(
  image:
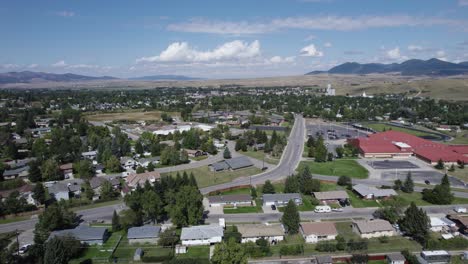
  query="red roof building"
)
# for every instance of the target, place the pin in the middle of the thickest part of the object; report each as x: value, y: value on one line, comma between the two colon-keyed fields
x: 395, y: 144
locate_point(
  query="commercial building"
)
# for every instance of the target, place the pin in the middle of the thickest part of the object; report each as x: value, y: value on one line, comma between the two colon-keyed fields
x: 396, y: 144
x: 232, y: 164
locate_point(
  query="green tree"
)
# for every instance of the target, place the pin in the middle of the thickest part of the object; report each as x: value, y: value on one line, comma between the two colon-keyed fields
x: 232, y: 233
x: 440, y: 164
x: 415, y: 223
x: 35, y: 174
x: 268, y: 187
x: 39, y: 193
x: 87, y: 190
x: 291, y: 184
x: 113, y: 164
x: 150, y: 167
x: 40, y: 149
x: 168, y: 238
x: 408, y: 184
x: 139, y: 147
x: 152, y: 206
x: 253, y: 192
x: 50, y: 171
x: 116, y: 222
x: 83, y: 169
x: 55, y: 252
x: 344, y: 181
x: 397, y: 184
x: 54, y: 217
x: 441, y: 194
x: 320, y: 150
x: 107, y: 192
x: 339, y: 152
x: 188, y: 207
x: 229, y: 253
x: 452, y: 168
x: 227, y: 153
x: 140, y: 169
x: 291, y: 218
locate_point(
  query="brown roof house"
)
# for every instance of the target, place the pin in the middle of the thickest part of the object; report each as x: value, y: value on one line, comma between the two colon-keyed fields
x: 253, y: 232
x: 373, y: 228
x: 318, y: 231
x: 135, y: 179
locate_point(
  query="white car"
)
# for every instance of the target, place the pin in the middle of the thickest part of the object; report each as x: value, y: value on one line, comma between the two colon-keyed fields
x: 322, y: 209
x: 24, y: 248
x: 460, y: 209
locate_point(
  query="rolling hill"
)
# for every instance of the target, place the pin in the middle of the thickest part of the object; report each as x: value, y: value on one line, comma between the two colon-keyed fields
x: 35, y: 77
x: 414, y: 67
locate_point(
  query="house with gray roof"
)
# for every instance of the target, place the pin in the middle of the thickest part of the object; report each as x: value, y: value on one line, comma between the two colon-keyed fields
x: 201, y: 235
x: 220, y: 166
x: 373, y: 228
x: 143, y: 234
x: 281, y: 199
x: 331, y: 196
x: 63, y: 189
x: 85, y: 234
x: 233, y: 199
x: 17, y: 172
x: 232, y: 164
x: 370, y: 192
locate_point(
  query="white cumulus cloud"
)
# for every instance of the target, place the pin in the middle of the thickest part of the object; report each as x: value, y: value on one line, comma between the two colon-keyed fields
x: 65, y: 13
x: 182, y: 52
x: 415, y: 48
x: 394, y: 54
x: 60, y: 63
x: 311, y: 51
x: 279, y: 59
x: 327, y: 45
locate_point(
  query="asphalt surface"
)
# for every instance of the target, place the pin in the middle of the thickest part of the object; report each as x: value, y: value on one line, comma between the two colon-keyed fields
x: 392, y: 164
x: 288, y: 163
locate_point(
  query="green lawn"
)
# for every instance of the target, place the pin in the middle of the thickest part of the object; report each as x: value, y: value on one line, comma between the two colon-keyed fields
x: 260, y: 155
x: 205, y: 177
x: 350, y: 168
x: 357, y: 202
x: 305, y: 206
x: 100, y: 252
x: 243, y: 210
x: 13, y: 219
x: 198, y: 252
x: 416, y: 197
x: 461, y: 174
x: 199, y: 158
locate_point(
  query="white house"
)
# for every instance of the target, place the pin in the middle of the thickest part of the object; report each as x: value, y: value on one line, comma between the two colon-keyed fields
x: 201, y: 235
x: 233, y: 199
x: 281, y: 199
x: 440, y: 224
x: 127, y: 163
x: 319, y: 231
x: 395, y: 258
x: 253, y: 232
x: 373, y: 228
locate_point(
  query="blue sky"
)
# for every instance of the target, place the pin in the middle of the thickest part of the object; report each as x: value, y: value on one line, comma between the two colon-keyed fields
x: 225, y: 39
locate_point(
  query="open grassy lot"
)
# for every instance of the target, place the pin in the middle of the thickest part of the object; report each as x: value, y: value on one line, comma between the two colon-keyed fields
x: 305, y: 206
x: 205, y: 177
x: 260, y: 155
x: 458, y: 138
x: 461, y: 174
x: 135, y: 115
x: 199, y: 252
x: 350, y: 168
x: 13, y: 219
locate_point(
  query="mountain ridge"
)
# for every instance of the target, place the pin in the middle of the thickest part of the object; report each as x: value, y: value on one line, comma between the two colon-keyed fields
x: 414, y: 67
x: 34, y: 77
x: 164, y: 77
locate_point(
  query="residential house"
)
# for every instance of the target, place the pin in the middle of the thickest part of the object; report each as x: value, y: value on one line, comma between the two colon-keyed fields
x: 331, y: 196
x: 461, y: 222
x: 25, y: 191
x: 370, y: 192
x: 143, y: 234
x: 253, y: 232
x: 91, y: 155
x: 144, y: 162
x: 281, y: 199
x: 135, y: 179
x: 395, y: 258
x: 193, y: 153
x: 39, y: 132
x: 373, y: 228
x: 63, y: 189
x: 201, y: 235
x: 98, y: 169
x: 233, y: 199
x: 128, y: 163
x: 441, y: 224
x: 21, y: 172
x: 67, y: 170
x: 85, y: 234
x: 318, y: 231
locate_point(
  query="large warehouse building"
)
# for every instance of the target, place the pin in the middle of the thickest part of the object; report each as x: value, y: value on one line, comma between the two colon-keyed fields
x: 395, y: 144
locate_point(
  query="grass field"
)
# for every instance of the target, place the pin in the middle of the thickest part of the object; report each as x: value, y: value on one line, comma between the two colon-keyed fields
x: 350, y: 168
x: 461, y: 174
x: 101, y: 252
x: 243, y: 210
x: 260, y: 155
x: 382, y: 127
x: 13, y: 219
x: 205, y: 177
x: 357, y: 202
x: 136, y: 115
x: 459, y: 138
x: 198, y: 252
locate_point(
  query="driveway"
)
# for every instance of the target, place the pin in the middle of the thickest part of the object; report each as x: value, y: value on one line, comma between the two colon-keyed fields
x: 267, y: 210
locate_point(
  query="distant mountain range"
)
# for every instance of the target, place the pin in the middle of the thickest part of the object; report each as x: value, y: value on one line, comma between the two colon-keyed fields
x: 432, y: 67
x: 164, y: 77
x: 35, y: 77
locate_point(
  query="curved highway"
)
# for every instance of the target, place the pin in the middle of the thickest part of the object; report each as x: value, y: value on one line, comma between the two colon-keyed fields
x: 288, y: 163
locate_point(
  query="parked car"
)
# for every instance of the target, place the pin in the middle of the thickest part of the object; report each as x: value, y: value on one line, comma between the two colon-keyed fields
x: 23, y: 249
x: 460, y: 209
x: 273, y: 207
x: 322, y: 209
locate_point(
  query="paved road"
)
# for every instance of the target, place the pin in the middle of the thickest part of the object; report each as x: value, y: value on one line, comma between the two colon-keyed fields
x: 348, y: 213
x: 288, y: 163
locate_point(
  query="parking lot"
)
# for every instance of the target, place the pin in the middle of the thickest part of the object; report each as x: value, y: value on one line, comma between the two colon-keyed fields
x: 331, y: 131
x: 392, y: 164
